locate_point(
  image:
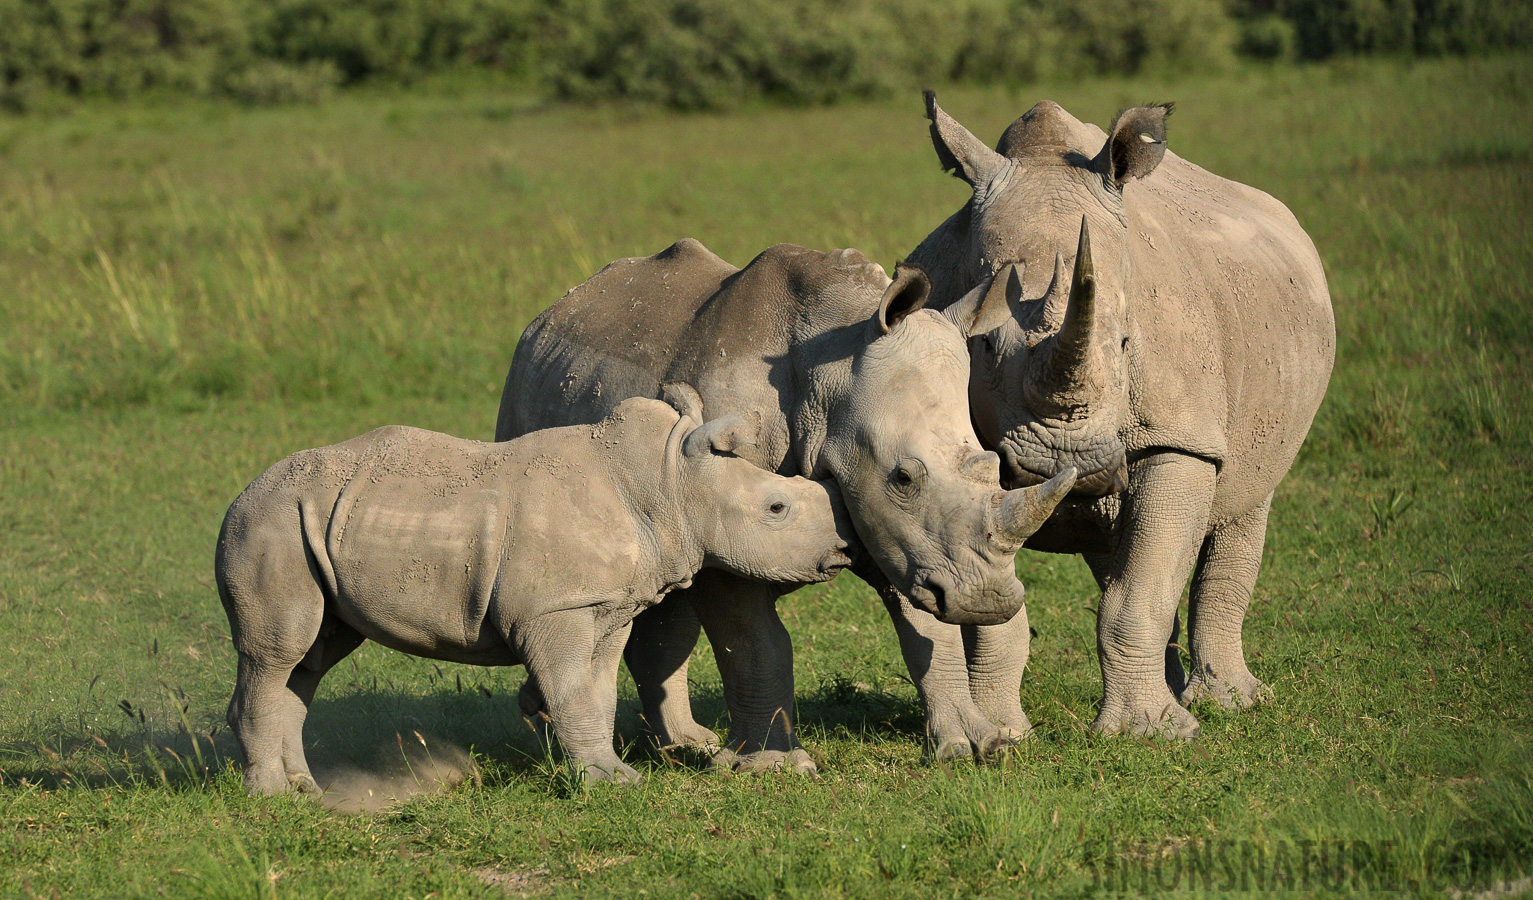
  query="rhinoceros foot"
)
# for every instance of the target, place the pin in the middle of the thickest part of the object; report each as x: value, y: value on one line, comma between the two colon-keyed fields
x: 615, y: 772
x: 958, y: 729
x: 997, y: 747
x: 683, y: 738
x: 796, y: 760
x: 273, y: 778
x: 1231, y: 689
x: 1162, y: 716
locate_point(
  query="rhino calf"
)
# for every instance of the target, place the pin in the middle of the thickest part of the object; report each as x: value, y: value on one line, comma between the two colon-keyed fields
x: 539, y: 551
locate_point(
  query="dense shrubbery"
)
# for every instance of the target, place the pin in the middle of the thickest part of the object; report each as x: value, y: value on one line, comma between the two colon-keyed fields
x: 1316, y: 29
x: 690, y: 53
x: 712, y: 53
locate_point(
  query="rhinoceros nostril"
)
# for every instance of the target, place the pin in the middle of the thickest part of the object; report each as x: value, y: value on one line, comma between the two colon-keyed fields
x: 929, y: 597
x: 936, y: 589
x: 836, y: 560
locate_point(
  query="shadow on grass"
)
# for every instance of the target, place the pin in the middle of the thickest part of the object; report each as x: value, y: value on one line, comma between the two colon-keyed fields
x: 853, y: 710
x: 368, y: 748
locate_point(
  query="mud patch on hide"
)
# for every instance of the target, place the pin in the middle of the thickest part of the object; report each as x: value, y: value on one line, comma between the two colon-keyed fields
x: 410, y: 765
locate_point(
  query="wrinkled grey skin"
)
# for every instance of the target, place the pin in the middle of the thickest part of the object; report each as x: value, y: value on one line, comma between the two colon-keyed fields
x: 539, y: 551
x: 852, y: 381
x: 1170, y: 335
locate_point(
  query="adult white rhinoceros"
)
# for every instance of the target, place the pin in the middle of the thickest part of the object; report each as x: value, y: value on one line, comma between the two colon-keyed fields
x: 851, y: 379
x: 1178, y: 369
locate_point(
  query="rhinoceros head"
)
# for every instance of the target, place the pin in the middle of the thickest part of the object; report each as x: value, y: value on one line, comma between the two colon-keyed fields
x: 926, y: 498
x: 747, y: 520
x: 1046, y: 226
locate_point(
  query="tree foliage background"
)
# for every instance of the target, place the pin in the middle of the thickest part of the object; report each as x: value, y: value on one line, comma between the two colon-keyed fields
x: 691, y: 54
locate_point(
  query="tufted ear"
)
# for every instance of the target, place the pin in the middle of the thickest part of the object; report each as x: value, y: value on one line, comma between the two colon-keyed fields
x: 907, y: 293
x: 723, y: 435
x: 960, y: 152
x: 1136, y: 143
x: 989, y: 305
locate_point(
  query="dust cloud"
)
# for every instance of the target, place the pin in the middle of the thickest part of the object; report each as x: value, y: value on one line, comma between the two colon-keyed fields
x: 408, y: 766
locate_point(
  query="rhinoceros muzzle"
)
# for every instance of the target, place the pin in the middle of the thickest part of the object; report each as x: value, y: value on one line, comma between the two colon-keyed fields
x: 930, y: 593
x: 833, y: 562
x: 991, y: 605
x: 1097, y: 480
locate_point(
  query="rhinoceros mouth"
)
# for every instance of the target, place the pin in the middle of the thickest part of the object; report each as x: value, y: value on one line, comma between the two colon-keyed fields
x: 833, y: 563
x: 929, y: 592
x: 1093, y: 480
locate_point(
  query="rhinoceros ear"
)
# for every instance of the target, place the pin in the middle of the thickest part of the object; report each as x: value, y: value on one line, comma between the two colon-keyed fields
x: 684, y: 399
x: 989, y: 305
x: 907, y: 293
x: 723, y: 435
x: 1136, y: 143
x: 960, y: 152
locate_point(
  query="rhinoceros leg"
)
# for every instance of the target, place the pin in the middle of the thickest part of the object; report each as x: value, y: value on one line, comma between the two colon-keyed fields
x: 271, y: 701
x: 997, y: 656
x: 935, y: 655
x: 1221, y: 591
x: 1176, y: 674
x: 280, y: 631
x: 657, y: 655
x: 262, y: 713
x: 755, y: 659
x: 1162, y: 524
x: 576, y: 673
x: 335, y: 643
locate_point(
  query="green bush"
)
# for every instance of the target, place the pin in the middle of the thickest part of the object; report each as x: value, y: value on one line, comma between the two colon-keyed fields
x: 268, y: 82
x: 708, y: 54
x: 1130, y: 35
x: 691, y: 54
x: 117, y: 47
x: 396, y: 38
x: 1324, y: 28
x: 1267, y: 37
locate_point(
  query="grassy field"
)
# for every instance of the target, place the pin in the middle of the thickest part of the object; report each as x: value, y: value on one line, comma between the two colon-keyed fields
x: 189, y: 292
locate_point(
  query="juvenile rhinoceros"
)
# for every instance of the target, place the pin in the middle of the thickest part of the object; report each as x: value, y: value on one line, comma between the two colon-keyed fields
x: 1169, y: 334
x: 539, y: 551
x: 852, y: 381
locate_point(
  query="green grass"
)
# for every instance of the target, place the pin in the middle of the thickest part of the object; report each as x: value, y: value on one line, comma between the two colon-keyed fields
x: 189, y: 292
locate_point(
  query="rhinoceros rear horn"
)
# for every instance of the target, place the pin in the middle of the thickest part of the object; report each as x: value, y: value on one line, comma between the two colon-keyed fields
x: 907, y: 293
x: 1024, y: 510
x: 989, y: 305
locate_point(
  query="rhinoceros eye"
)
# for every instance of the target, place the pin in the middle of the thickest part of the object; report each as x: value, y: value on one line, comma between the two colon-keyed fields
x: 907, y: 476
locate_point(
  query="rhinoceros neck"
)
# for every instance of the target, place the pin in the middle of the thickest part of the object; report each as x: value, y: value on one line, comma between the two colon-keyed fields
x: 941, y: 256
x: 779, y: 340
x: 642, y: 465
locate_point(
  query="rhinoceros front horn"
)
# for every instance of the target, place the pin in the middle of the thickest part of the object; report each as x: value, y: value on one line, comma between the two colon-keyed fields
x: 1066, y: 377
x: 1024, y: 510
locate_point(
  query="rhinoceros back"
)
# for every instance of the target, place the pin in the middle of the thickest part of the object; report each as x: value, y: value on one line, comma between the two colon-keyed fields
x: 608, y: 339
